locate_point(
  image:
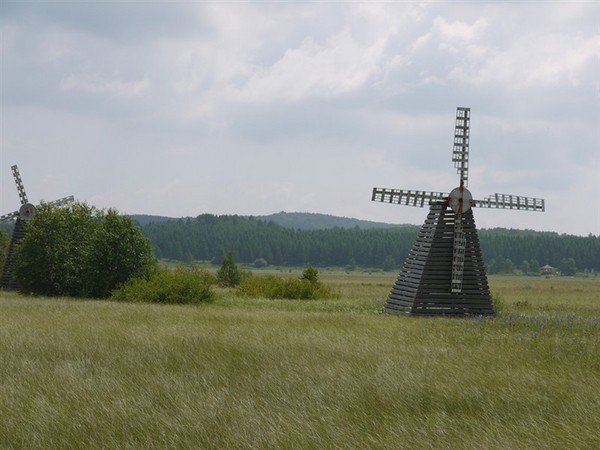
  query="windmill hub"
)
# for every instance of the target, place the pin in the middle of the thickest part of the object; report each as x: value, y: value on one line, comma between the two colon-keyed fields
x: 460, y: 199
x: 27, y: 211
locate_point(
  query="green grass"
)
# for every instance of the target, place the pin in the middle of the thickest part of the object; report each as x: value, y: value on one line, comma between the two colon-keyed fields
x: 258, y: 373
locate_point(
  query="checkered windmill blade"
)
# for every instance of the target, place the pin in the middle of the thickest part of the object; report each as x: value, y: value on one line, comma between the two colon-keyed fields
x: 460, y: 198
x: 404, y: 197
x: 444, y: 271
x: 507, y: 201
x: 25, y: 213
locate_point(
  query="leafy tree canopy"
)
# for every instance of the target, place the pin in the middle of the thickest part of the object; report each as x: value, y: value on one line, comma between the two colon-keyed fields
x: 80, y: 251
x: 229, y: 274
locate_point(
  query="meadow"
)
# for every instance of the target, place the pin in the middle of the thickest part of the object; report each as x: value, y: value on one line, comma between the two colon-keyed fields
x: 272, y: 374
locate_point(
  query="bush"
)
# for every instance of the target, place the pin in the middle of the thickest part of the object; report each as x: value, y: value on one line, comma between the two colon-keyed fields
x: 80, y: 251
x: 178, y: 286
x: 272, y: 287
x: 260, y: 263
x: 499, y: 305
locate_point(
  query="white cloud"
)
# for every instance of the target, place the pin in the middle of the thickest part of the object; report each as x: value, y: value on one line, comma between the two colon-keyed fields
x: 301, y: 105
x: 459, y: 32
x: 339, y: 66
x: 538, y: 61
x: 96, y: 84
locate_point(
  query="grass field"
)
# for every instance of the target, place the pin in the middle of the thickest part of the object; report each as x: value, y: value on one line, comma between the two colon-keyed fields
x: 255, y: 373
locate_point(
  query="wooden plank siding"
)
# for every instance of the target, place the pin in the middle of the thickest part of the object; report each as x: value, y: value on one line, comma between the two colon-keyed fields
x: 424, y: 282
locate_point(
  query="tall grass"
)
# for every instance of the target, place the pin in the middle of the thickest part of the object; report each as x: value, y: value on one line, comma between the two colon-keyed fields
x: 258, y: 373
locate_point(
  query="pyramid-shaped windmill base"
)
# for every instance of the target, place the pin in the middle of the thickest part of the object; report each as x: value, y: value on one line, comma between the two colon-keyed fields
x: 423, y: 285
x: 8, y: 282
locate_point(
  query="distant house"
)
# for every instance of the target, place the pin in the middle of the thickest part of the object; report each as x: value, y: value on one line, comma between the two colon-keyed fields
x: 548, y: 270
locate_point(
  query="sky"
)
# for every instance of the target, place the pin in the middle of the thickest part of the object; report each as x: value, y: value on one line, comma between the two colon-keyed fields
x: 179, y: 108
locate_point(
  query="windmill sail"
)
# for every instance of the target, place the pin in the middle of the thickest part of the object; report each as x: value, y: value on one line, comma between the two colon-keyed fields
x: 61, y: 201
x: 19, y: 183
x: 9, y: 216
x: 460, y: 152
x: 405, y: 197
x: 507, y: 201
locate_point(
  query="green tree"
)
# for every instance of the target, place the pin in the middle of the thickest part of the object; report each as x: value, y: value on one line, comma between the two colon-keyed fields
x: 567, y: 266
x: 534, y: 266
x: 351, y: 264
x: 119, y: 252
x: 80, y: 251
x: 525, y: 267
x: 229, y: 274
x: 310, y: 274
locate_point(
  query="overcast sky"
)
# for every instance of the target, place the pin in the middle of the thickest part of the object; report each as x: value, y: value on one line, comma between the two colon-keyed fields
x: 250, y: 108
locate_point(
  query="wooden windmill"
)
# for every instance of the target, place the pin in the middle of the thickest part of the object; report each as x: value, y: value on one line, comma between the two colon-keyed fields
x: 444, y: 271
x: 25, y: 212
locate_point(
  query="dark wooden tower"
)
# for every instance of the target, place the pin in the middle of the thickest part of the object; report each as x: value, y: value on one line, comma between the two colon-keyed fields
x: 423, y: 284
x: 444, y: 272
x: 25, y: 212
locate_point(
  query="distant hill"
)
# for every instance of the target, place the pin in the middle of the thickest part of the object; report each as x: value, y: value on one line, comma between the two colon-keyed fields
x: 314, y: 221
x: 294, y: 220
x: 145, y: 219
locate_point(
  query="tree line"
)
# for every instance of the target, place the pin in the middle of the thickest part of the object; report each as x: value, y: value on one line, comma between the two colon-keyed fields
x: 209, y: 237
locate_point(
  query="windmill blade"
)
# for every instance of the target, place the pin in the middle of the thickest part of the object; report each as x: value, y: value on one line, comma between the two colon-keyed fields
x: 61, y: 201
x: 458, y: 255
x: 460, y: 151
x: 507, y: 201
x: 403, y: 197
x: 19, y: 182
x: 10, y: 216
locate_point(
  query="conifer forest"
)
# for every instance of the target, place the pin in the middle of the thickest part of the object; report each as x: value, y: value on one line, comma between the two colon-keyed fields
x: 209, y: 237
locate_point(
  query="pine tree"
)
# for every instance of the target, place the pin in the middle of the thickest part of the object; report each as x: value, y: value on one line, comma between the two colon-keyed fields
x: 229, y: 274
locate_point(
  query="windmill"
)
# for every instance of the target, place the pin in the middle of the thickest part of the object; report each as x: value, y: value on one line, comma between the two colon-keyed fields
x: 444, y: 271
x: 25, y: 212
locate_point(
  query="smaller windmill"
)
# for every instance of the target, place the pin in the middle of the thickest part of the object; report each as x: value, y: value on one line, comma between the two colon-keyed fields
x: 25, y: 212
x: 444, y: 271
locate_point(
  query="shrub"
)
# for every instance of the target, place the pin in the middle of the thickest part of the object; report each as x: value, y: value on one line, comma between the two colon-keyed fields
x: 260, y: 263
x: 272, y: 287
x: 178, y: 286
x: 498, y: 304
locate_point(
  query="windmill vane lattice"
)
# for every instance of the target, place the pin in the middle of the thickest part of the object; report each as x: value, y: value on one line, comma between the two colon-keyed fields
x: 444, y: 271
x: 25, y: 212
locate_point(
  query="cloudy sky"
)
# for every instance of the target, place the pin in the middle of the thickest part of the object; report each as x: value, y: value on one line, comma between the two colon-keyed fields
x: 182, y: 108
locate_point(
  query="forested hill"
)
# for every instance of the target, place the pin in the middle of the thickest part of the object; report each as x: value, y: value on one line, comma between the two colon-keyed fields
x: 208, y: 237
x: 296, y: 220
x: 314, y: 221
